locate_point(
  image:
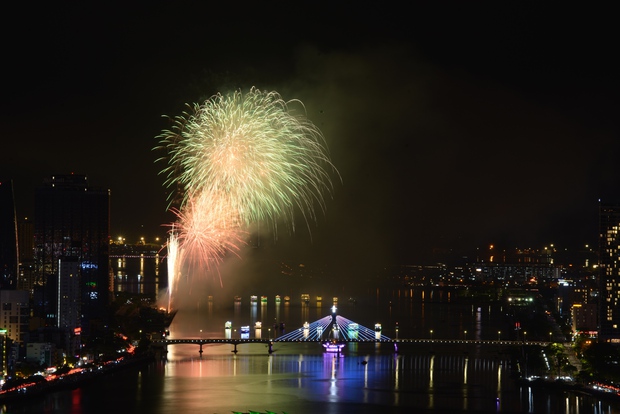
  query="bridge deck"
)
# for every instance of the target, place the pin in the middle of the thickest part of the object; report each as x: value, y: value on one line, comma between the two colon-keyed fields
x: 337, y: 328
x: 389, y: 340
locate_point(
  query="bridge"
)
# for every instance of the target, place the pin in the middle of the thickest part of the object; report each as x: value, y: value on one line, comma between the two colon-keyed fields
x: 333, y: 332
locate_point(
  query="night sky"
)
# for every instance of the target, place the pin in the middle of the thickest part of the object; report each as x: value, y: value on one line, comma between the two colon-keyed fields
x: 452, y: 125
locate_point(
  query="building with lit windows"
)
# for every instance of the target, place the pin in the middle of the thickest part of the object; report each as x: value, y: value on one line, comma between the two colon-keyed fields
x: 609, y: 264
x: 25, y: 241
x: 43, y: 353
x: 14, y: 321
x: 3, y: 354
x: 68, y: 302
x: 584, y: 317
x: 72, y: 227
x: 15, y: 314
x: 8, y: 236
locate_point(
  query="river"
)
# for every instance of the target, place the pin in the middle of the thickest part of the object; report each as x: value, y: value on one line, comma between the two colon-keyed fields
x: 300, y: 378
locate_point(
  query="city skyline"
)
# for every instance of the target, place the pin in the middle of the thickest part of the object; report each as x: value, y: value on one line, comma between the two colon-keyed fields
x: 451, y: 126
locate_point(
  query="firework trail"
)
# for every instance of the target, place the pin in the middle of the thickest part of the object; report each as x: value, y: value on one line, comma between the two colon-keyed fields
x: 238, y: 160
x: 173, y: 250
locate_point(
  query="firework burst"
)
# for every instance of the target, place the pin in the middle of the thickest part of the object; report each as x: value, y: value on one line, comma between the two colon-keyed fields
x: 254, y: 151
x: 206, y: 232
x: 236, y: 161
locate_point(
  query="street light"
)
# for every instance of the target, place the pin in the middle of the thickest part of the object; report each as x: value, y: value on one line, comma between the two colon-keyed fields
x: 431, y: 334
x: 498, y: 335
x: 466, y: 335
x: 550, y: 336
x: 524, y: 336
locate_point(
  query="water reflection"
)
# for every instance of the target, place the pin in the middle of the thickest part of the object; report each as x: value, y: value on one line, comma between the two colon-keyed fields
x: 253, y: 312
x: 430, y: 381
x: 302, y: 379
x: 138, y: 274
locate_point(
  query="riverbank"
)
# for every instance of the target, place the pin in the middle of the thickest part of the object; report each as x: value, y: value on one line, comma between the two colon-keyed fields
x: 73, y: 380
x: 592, y: 390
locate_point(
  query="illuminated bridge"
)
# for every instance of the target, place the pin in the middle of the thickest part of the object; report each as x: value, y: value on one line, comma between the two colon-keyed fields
x: 334, y: 332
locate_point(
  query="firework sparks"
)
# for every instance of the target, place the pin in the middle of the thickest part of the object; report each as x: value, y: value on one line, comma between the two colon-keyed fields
x: 206, y: 231
x: 253, y: 150
x: 236, y: 161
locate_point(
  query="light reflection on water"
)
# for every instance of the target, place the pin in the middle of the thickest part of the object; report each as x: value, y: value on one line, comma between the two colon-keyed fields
x: 300, y: 378
x: 429, y: 380
x: 298, y: 373
x: 410, y: 317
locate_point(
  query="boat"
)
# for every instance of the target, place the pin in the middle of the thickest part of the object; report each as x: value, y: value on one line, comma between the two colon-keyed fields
x: 253, y: 299
x: 287, y: 299
x: 306, y: 325
x: 305, y: 298
x: 378, y: 327
x: 245, y: 329
x: 263, y: 299
x: 258, y: 325
x: 237, y: 299
x: 278, y: 300
x: 333, y: 346
x: 354, y: 326
x: 319, y: 299
x: 335, y: 299
x: 228, y: 325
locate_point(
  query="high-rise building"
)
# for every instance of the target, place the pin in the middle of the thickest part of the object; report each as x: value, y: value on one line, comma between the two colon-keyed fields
x: 15, y: 313
x: 72, y: 220
x: 609, y: 261
x: 14, y: 318
x: 69, y: 302
x: 25, y: 241
x: 8, y: 237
